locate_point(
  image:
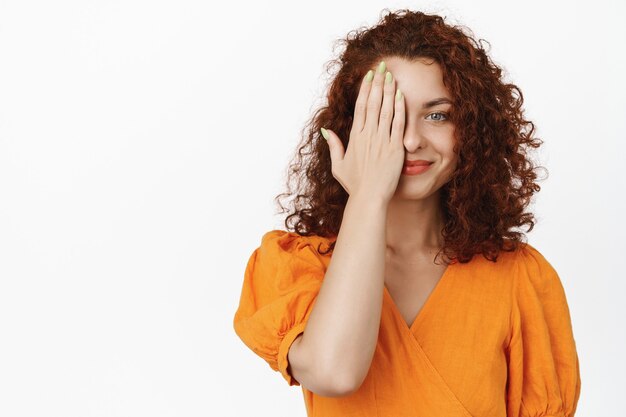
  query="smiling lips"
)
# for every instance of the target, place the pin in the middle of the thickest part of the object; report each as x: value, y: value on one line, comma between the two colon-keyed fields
x: 415, y: 167
x: 417, y: 162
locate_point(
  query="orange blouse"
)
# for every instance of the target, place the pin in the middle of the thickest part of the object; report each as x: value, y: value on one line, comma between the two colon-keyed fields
x: 492, y: 339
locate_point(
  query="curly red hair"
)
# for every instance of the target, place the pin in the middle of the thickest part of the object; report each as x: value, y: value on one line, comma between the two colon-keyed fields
x: 487, y: 195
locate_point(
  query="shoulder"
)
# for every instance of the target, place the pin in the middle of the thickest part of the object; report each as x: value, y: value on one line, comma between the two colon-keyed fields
x: 536, y: 280
x: 291, y: 242
x: 289, y: 256
x: 535, y: 269
x: 525, y: 260
x: 285, y: 245
x: 524, y: 266
x: 529, y: 256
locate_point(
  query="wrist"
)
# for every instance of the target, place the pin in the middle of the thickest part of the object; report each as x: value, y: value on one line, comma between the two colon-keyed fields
x: 367, y: 201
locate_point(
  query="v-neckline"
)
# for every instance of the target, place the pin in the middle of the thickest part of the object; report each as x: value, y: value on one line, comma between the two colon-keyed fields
x: 425, y: 306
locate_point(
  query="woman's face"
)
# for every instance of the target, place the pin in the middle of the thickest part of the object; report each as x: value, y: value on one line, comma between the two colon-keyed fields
x: 428, y: 134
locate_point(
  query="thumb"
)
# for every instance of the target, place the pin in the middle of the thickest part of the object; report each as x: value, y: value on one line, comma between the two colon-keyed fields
x: 337, y: 150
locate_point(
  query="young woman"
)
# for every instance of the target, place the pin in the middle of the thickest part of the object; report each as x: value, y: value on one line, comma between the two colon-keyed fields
x: 419, y: 155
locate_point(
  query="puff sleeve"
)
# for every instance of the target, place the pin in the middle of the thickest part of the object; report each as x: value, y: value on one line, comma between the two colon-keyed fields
x: 543, y: 369
x: 281, y: 281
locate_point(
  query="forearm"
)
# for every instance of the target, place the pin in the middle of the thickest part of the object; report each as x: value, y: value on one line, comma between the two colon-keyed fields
x: 342, y: 329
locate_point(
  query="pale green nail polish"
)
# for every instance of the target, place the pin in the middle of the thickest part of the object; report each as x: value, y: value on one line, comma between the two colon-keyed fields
x: 370, y: 76
x: 382, y: 67
x: 398, y: 95
x: 324, y: 133
x: 388, y: 77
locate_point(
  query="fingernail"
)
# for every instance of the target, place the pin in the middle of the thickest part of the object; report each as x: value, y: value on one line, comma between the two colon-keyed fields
x: 324, y: 133
x: 388, y: 77
x: 382, y: 67
x: 398, y: 95
x: 370, y: 76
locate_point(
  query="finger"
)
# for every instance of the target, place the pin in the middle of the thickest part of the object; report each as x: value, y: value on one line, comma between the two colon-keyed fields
x: 397, y: 126
x: 386, y: 111
x: 361, y: 102
x: 375, y: 98
x: 335, y: 145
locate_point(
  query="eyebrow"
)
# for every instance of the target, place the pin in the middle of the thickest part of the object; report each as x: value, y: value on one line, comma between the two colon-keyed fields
x: 433, y: 103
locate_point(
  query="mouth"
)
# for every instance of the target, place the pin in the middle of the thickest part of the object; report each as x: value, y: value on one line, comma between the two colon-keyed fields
x: 415, y: 169
x: 418, y: 162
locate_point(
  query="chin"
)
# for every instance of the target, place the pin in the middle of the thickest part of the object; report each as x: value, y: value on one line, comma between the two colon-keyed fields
x: 408, y: 191
x: 403, y: 194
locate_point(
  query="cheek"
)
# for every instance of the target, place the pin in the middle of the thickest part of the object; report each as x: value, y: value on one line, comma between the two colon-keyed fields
x: 450, y: 160
x: 447, y: 149
x: 453, y: 159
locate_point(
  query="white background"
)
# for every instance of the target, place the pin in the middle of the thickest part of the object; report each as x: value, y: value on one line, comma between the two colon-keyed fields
x: 141, y: 146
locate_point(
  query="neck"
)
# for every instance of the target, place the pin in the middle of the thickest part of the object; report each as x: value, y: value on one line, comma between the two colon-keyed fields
x: 414, y: 226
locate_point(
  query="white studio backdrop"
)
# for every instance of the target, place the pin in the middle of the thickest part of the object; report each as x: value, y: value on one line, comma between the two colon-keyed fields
x: 141, y: 146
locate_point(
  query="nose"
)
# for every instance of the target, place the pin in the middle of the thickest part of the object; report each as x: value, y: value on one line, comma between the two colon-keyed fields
x: 413, y: 139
